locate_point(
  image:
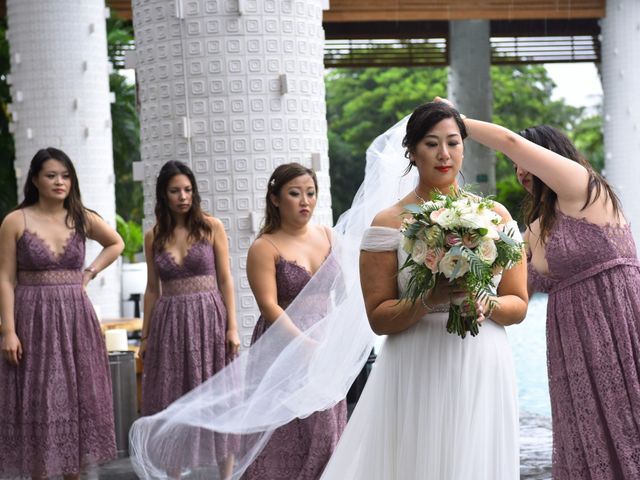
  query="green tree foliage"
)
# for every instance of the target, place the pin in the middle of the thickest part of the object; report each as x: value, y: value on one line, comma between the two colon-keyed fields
x: 362, y: 103
x: 126, y: 126
x: 8, y: 192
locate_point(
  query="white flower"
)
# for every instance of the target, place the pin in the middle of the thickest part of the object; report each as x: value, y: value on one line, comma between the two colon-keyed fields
x: 419, y: 251
x: 451, y: 263
x: 487, y: 251
x: 445, y: 217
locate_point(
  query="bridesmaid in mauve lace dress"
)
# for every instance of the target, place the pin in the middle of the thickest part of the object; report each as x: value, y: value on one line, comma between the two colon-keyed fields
x: 56, y: 412
x: 280, y: 262
x: 583, y: 254
x: 189, y: 331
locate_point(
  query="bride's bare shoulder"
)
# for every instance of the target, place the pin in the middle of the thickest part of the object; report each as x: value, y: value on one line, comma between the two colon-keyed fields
x: 389, y: 217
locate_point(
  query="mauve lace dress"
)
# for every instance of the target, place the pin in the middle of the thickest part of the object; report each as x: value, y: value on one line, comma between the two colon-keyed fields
x: 187, y: 338
x: 56, y: 411
x: 300, y: 449
x: 593, y: 349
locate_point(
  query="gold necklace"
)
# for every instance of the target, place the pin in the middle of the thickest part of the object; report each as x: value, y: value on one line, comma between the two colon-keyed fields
x: 418, y: 196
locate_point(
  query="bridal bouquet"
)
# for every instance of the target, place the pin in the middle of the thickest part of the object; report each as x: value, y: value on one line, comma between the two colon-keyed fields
x: 458, y: 238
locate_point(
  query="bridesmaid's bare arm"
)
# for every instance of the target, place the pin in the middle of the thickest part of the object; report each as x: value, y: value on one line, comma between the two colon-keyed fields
x: 10, y: 231
x: 261, y: 273
x: 225, y: 281
x: 105, y: 235
x: 151, y: 293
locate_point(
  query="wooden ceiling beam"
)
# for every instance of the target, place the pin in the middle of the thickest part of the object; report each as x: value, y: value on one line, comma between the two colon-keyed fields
x: 403, y: 10
x: 430, y: 10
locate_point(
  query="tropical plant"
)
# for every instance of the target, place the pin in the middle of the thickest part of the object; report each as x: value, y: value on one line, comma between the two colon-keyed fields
x: 131, y: 233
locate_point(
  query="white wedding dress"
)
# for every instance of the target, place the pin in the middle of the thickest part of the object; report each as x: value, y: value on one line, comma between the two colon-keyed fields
x: 436, y: 407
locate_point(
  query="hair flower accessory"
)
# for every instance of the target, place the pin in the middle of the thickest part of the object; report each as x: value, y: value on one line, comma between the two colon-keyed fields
x: 272, y: 183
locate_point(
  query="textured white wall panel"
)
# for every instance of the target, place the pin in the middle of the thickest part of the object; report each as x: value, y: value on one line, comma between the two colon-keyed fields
x: 233, y: 94
x: 60, y: 91
x: 620, y: 80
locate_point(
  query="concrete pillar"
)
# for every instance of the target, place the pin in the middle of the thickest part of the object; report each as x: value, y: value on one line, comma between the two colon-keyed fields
x: 60, y: 90
x: 233, y: 88
x: 470, y: 91
x: 620, y: 74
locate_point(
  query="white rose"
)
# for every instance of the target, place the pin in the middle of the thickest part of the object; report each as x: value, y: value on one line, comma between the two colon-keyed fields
x: 419, y: 251
x: 487, y: 251
x: 447, y: 218
x: 492, y: 232
x: 450, y: 262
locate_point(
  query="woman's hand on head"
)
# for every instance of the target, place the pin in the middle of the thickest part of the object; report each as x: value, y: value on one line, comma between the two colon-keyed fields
x: 443, y: 100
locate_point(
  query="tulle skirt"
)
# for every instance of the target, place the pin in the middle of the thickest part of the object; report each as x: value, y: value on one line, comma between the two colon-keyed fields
x: 436, y: 407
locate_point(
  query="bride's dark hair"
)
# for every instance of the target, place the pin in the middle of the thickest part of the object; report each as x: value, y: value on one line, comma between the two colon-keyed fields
x: 197, y: 225
x: 423, y: 119
x: 280, y: 176
x: 541, y: 204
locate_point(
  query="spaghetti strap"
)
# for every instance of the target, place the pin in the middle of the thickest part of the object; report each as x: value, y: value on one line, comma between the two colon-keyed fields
x: 274, y: 246
x: 24, y: 216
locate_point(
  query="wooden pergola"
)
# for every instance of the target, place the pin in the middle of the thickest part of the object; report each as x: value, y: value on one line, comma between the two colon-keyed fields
x: 362, y: 33
x: 364, y: 11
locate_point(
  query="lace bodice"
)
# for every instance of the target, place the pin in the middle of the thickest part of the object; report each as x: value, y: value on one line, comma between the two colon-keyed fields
x: 33, y: 254
x: 200, y: 260
x: 576, y: 245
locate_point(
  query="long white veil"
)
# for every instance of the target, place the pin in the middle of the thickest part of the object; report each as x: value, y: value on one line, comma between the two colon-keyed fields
x: 284, y: 375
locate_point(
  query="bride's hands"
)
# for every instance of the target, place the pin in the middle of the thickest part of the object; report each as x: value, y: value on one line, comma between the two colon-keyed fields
x: 444, y: 292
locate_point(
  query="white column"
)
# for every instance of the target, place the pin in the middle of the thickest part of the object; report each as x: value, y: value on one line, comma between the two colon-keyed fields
x: 620, y: 77
x: 470, y: 91
x: 60, y: 90
x: 233, y: 88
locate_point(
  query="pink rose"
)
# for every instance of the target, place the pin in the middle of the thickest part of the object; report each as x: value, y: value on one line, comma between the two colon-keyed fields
x: 433, y: 258
x: 436, y: 213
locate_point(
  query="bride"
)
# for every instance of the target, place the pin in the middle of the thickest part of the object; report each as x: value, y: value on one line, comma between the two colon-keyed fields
x: 436, y: 406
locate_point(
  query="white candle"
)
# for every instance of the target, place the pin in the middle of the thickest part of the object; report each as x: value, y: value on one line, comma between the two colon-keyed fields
x: 116, y: 340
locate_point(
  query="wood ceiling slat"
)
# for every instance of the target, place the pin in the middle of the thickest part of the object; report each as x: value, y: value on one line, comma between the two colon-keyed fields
x: 398, y: 10
x: 372, y: 10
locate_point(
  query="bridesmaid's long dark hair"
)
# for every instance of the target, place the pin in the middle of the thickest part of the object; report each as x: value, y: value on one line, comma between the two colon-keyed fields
x: 76, y: 212
x: 541, y: 204
x: 196, y: 223
x: 281, y: 175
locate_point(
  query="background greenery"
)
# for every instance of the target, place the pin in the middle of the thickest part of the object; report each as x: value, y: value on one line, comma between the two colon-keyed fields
x: 361, y: 104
